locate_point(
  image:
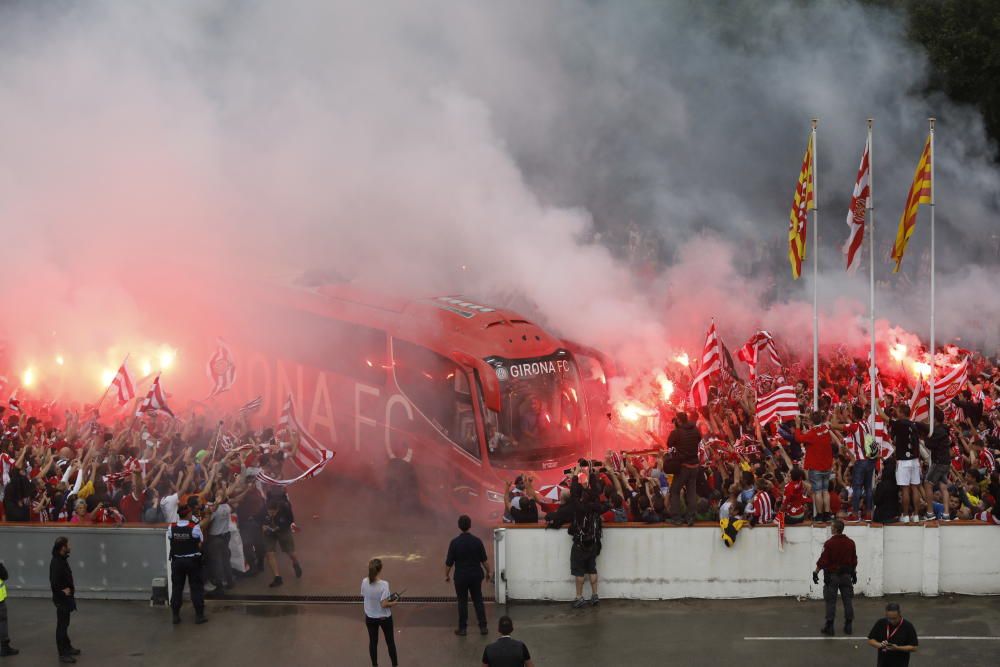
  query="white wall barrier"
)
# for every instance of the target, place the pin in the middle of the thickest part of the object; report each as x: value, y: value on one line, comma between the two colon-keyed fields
x: 666, y: 562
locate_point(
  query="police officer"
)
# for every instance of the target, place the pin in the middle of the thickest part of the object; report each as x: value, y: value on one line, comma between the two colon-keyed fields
x: 5, y: 648
x: 467, y: 555
x: 186, y: 539
x: 839, y: 562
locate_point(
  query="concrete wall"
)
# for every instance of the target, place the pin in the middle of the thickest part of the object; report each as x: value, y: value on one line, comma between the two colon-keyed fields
x: 107, y: 562
x: 677, y: 562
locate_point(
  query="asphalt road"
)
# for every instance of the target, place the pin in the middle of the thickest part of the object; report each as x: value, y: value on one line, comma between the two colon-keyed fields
x: 688, y: 632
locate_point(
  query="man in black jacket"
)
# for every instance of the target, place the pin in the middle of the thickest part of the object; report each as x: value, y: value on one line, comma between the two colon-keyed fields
x: 63, y: 596
x: 939, y: 445
x: 684, y: 440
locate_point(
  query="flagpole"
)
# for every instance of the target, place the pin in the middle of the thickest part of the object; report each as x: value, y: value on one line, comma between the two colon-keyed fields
x: 872, y: 369
x: 105, y: 394
x: 933, y: 348
x: 815, y: 234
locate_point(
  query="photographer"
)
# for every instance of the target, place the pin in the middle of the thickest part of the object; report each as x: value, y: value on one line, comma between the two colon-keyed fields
x: 583, y: 512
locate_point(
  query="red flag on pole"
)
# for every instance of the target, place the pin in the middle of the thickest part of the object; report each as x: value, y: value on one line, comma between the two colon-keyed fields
x: 856, y: 214
x: 711, y: 363
x: 155, y: 400
x: 122, y: 385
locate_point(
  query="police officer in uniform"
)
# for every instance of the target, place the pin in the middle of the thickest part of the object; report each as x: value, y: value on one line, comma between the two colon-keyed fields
x: 839, y: 562
x: 5, y: 648
x: 185, y: 565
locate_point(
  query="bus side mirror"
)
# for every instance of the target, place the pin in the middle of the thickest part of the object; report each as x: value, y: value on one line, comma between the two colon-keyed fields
x: 487, y: 376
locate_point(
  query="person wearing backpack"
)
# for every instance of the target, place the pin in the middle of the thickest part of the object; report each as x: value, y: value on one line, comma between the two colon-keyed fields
x: 586, y: 532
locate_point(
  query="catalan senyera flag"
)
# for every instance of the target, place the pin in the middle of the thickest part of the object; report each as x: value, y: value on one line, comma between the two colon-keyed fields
x: 803, y: 202
x: 920, y: 193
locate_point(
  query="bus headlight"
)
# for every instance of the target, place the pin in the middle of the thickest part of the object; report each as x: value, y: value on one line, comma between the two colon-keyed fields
x: 494, y: 496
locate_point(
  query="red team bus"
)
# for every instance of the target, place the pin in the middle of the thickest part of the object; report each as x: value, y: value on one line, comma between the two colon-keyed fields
x: 441, y: 397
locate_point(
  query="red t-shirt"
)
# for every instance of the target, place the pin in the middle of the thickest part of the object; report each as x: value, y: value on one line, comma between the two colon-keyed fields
x: 131, y: 508
x: 819, y: 448
x: 795, y: 499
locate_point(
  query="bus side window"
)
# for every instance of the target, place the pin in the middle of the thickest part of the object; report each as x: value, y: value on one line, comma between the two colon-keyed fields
x: 439, y: 389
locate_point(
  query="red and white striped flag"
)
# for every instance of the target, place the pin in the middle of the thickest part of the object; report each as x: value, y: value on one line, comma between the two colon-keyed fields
x: 856, y: 214
x: 750, y: 352
x: 947, y: 386
x: 252, y: 406
x: 920, y: 402
x: 310, y: 451
x: 221, y: 369
x: 312, y: 471
x: 122, y: 387
x: 779, y: 404
x: 711, y: 363
x: 155, y: 400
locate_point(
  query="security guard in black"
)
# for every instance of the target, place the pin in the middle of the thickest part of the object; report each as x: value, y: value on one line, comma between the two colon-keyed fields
x: 467, y: 555
x: 185, y: 540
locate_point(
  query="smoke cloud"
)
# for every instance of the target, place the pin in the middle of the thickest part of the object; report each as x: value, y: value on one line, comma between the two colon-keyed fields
x: 622, y: 172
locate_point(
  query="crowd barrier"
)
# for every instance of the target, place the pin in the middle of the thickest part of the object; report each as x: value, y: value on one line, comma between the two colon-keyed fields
x: 109, y: 562
x: 666, y: 562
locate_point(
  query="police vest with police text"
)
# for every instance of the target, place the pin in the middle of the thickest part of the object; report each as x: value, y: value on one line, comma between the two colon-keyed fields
x: 183, y: 542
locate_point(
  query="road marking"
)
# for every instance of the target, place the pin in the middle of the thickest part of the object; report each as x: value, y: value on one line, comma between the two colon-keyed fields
x: 858, y: 638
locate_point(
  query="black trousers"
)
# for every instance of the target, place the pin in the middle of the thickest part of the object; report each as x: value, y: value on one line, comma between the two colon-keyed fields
x: 373, y: 624
x: 189, y: 570
x: 62, y: 628
x: 686, y: 477
x: 220, y: 572
x: 253, y: 544
x: 833, y: 584
x: 464, y: 587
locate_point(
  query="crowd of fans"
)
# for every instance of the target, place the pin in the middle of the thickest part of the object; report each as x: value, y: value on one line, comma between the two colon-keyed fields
x: 71, y: 467
x: 821, y: 465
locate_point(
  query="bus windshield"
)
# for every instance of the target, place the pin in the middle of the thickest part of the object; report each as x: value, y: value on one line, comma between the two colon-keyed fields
x: 542, y: 420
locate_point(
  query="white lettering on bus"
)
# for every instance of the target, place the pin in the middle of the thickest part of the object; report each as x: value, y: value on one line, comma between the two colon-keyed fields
x: 358, y: 419
x: 538, y: 368
x: 321, y: 400
x: 394, y: 400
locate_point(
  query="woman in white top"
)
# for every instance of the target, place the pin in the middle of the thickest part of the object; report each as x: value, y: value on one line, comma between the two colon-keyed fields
x: 378, y: 601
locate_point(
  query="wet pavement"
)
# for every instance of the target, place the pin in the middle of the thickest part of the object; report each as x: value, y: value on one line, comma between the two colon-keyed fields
x: 687, y: 632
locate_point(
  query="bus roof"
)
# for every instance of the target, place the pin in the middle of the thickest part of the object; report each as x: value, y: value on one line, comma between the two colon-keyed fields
x: 445, y: 323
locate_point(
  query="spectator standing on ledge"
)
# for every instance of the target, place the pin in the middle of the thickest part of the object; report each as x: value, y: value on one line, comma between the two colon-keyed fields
x: 818, y: 463
x: 894, y: 638
x: 467, y: 555
x: 507, y: 651
x: 839, y: 562
x: 64, y: 597
x: 684, y: 439
x: 5, y: 648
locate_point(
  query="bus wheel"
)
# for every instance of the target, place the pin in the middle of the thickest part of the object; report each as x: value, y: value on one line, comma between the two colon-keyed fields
x: 401, y: 484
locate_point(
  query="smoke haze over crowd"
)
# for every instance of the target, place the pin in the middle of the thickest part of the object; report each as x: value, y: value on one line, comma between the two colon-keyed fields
x: 494, y: 150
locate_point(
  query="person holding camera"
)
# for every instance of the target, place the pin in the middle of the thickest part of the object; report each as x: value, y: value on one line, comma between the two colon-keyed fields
x: 839, y: 562
x: 378, y: 602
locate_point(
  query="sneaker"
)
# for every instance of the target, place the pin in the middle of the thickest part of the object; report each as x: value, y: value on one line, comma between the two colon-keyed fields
x: 905, y: 518
x: 275, y: 583
x: 915, y: 518
x: 827, y: 630
x: 945, y: 517
x: 460, y: 632
x: 594, y: 600
x: 7, y: 650
x: 579, y: 603
x: 849, y: 627
x: 852, y: 518
x: 930, y: 517
x: 298, y: 570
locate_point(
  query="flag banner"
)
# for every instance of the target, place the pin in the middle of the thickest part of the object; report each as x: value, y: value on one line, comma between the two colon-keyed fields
x: 803, y: 202
x: 252, y: 406
x: 14, y: 402
x: 947, y: 386
x: 920, y: 193
x: 310, y: 451
x: 221, y: 369
x: 920, y: 402
x: 750, y: 352
x: 779, y: 404
x: 122, y: 386
x: 155, y: 400
x: 711, y: 363
x: 312, y: 471
x: 856, y: 213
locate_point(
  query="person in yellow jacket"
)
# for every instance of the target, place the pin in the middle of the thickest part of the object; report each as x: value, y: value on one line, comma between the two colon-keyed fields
x: 5, y: 648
